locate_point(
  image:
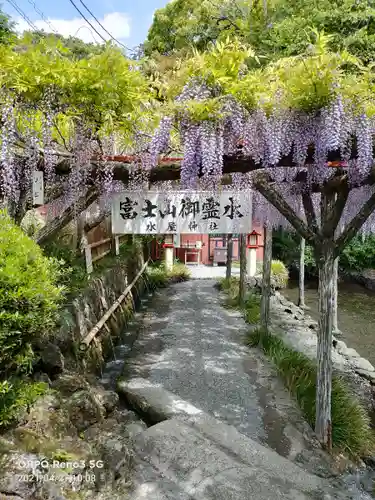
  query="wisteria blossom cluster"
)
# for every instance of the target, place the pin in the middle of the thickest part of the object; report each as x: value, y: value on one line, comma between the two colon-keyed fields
x: 22, y: 152
x: 267, y: 137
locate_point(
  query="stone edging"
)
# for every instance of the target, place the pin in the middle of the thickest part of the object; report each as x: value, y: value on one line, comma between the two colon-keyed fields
x: 299, y: 330
x: 365, y: 278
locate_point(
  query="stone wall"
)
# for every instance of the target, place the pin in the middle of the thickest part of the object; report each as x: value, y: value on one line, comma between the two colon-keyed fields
x: 86, y: 310
x: 365, y: 278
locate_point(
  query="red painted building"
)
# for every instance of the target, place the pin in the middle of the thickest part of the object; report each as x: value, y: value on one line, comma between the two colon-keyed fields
x: 188, y: 247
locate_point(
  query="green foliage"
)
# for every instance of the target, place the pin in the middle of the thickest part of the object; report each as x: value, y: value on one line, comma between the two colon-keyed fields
x: 278, y: 32
x: 29, y: 296
x: 351, y: 431
x: 78, y: 49
x: 279, y: 274
x: 159, y: 277
x: 306, y: 82
x: 32, y: 223
x: 16, y: 396
x: 83, y: 87
x: 286, y: 247
x: 73, y: 274
x: 359, y: 254
x: 251, y: 306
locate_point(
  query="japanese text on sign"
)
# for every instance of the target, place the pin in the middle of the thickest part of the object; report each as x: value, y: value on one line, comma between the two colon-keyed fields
x: 181, y: 212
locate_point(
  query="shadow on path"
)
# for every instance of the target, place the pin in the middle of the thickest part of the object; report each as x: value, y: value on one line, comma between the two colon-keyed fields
x: 189, y: 343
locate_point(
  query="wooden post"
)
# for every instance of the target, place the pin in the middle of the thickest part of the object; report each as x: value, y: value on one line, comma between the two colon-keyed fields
x: 115, y: 245
x: 79, y: 230
x: 242, y: 287
x: 335, y: 327
x: 301, y: 284
x: 228, y: 273
x: 266, y: 280
x: 88, y: 257
x: 323, y: 428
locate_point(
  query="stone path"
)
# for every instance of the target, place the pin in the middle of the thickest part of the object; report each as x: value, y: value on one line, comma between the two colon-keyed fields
x: 210, y: 272
x: 193, y: 346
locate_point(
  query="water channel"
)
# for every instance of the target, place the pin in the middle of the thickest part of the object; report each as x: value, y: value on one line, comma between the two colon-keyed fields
x: 356, y: 314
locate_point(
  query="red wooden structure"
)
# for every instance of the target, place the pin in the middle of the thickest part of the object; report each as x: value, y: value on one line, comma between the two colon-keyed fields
x: 188, y: 242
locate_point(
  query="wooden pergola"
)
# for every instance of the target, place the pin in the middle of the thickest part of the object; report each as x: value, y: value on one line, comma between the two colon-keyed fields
x: 321, y: 236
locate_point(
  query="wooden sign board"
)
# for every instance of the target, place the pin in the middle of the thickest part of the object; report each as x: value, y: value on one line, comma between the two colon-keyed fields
x: 181, y: 212
x: 38, y: 188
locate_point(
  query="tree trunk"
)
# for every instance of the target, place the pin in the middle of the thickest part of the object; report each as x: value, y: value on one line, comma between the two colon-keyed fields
x: 266, y: 279
x: 335, y: 327
x: 242, y: 288
x: 301, y: 285
x: 323, y: 427
x: 229, y: 256
x: 51, y: 229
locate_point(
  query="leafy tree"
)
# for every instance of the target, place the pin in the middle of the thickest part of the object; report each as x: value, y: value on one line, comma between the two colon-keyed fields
x: 274, y: 28
x: 78, y: 49
x: 103, y: 90
x: 7, y: 33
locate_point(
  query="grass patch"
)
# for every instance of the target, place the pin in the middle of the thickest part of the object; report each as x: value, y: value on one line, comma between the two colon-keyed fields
x: 351, y: 426
x: 351, y: 430
x: 251, y: 306
x: 159, y: 277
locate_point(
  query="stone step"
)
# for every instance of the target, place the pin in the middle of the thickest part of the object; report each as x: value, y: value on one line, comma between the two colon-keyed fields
x: 191, y: 455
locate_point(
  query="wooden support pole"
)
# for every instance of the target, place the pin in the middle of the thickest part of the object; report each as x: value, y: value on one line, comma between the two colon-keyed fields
x: 266, y: 281
x: 242, y: 286
x: 335, y: 326
x: 301, y: 281
x: 325, y: 258
x: 228, y: 272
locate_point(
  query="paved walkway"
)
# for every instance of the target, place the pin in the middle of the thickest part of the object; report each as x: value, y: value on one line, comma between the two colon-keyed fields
x: 193, y: 346
x: 210, y: 272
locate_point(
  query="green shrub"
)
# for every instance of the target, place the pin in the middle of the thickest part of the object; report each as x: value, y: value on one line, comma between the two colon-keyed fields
x: 230, y: 285
x: 29, y: 297
x: 17, y: 396
x: 279, y: 273
x: 159, y: 277
x: 351, y: 431
x: 251, y: 306
x: 179, y: 272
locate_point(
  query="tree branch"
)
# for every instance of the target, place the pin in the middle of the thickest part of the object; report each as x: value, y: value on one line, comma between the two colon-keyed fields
x: 95, y: 221
x: 263, y: 185
x: 309, y: 211
x: 334, y: 215
x: 51, y: 229
x: 354, y: 225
